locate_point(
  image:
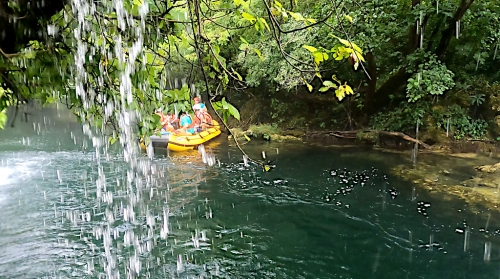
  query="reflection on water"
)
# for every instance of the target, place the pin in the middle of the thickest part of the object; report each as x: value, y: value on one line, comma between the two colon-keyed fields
x: 323, y: 213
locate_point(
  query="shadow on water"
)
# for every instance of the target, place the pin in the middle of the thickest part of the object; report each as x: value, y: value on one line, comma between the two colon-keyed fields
x: 322, y: 213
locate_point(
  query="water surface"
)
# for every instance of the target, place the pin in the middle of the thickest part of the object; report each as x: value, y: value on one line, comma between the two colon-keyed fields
x: 322, y: 213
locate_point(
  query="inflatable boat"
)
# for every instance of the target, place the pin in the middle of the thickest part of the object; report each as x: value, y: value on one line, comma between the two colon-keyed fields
x: 175, y: 142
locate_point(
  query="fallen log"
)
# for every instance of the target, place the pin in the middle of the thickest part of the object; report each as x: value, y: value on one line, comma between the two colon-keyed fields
x: 345, y: 134
x: 405, y: 137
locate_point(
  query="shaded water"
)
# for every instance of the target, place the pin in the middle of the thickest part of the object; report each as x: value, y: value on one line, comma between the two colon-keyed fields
x: 323, y: 213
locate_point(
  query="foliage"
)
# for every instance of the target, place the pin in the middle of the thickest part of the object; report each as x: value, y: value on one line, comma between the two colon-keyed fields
x: 3, y: 112
x: 431, y: 78
x: 477, y: 99
x: 226, y: 109
x: 392, y: 62
x: 461, y: 125
x: 403, y: 119
x: 454, y: 117
x: 193, y: 42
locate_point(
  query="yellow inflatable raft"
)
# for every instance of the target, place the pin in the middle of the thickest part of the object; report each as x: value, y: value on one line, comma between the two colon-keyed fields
x: 184, y: 142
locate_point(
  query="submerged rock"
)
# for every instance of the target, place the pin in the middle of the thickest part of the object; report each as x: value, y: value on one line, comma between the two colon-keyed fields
x: 488, y: 168
x: 458, y: 177
x: 488, y: 181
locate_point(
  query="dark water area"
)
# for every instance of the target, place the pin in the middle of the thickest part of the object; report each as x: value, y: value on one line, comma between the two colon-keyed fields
x: 324, y: 212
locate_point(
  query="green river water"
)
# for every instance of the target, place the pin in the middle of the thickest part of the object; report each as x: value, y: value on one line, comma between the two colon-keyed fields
x: 324, y: 212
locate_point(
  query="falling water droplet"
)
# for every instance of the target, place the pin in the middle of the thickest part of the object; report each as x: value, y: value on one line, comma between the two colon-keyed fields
x: 466, y: 239
x: 487, y: 251
x: 180, y: 267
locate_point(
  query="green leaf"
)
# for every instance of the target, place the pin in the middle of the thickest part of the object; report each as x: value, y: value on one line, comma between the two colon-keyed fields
x: 296, y: 16
x: 329, y: 84
x: 237, y: 75
x: 244, y: 41
x: 318, y: 57
x: 233, y: 111
x: 112, y: 140
x: 259, y: 54
x: 310, y: 48
x: 3, y: 118
x: 323, y: 89
x: 348, y: 17
x: 224, y: 104
x: 248, y: 17
x: 265, y: 24
x: 309, y: 87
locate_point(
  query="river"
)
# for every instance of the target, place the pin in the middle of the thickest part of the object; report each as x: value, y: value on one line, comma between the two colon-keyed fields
x: 324, y: 212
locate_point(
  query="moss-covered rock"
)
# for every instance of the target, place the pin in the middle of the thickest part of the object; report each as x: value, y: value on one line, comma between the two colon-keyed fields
x: 265, y: 132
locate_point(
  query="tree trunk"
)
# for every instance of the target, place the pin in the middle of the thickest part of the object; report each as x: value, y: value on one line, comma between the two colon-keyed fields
x: 369, y: 108
x: 448, y: 33
x: 393, y: 85
x: 398, y: 79
x: 413, y: 38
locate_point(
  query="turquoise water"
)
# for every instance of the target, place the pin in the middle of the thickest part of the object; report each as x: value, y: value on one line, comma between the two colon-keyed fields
x: 324, y: 212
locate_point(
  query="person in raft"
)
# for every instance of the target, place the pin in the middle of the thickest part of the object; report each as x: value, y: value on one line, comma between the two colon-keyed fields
x: 186, y: 124
x: 172, y: 122
x: 202, y: 119
x: 163, y: 119
x: 198, y: 104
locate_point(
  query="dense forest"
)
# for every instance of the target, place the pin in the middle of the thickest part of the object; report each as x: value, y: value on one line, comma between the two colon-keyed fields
x: 389, y: 65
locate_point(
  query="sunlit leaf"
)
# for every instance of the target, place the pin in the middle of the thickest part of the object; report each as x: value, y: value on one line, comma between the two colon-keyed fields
x: 348, y: 17
x: 310, y: 48
x: 296, y: 16
x: 309, y: 87
x: 244, y: 41
x: 318, y: 57
x: 348, y: 90
x: 3, y: 118
x: 233, y: 111
x: 328, y: 83
x: 265, y: 24
x: 248, y: 17
x: 259, y: 54
x: 340, y: 93
x: 237, y: 75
